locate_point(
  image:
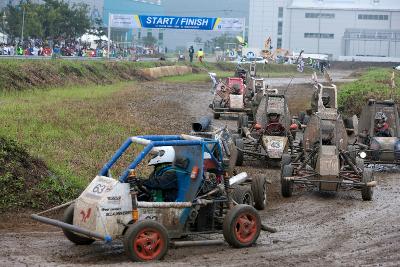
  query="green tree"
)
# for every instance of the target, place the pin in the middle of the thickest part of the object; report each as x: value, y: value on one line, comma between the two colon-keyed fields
x: 50, y: 20
x: 223, y: 39
x: 149, y: 41
x: 197, y: 39
x: 27, y: 11
x: 62, y: 20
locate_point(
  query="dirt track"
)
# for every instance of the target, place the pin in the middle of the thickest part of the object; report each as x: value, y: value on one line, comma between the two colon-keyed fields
x: 313, y: 229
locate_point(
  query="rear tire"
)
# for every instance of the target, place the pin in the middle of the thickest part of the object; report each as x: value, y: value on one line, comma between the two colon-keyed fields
x: 366, y: 191
x: 240, y: 155
x: 259, y: 189
x: 242, y: 226
x: 146, y: 240
x: 216, y: 105
x: 287, y: 186
x: 240, y: 124
x: 74, y: 238
x: 243, y: 195
x: 245, y: 121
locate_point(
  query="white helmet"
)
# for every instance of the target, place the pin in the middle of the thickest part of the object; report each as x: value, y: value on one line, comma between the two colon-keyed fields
x: 206, y: 155
x: 164, y: 154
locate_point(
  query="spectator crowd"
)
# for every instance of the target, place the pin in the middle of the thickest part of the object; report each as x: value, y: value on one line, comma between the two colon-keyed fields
x: 36, y: 47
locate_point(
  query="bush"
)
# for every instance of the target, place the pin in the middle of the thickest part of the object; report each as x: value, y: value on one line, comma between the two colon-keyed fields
x: 26, y: 182
x: 375, y: 83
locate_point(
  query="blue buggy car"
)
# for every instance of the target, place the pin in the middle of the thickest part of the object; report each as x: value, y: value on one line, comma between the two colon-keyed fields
x: 110, y: 209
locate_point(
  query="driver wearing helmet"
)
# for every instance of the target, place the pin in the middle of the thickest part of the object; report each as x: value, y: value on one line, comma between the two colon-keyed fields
x: 274, y: 127
x: 381, y: 126
x: 236, y: 89
x: 325, y: 100
x: 241, y: 73
x: 164, y: 176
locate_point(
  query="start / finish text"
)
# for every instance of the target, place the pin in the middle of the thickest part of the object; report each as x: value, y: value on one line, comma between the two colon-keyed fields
x: 177, y: 22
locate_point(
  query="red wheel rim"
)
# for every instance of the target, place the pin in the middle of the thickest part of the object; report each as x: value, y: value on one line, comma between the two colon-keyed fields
x: 148, y: 244
x: 245, y: 227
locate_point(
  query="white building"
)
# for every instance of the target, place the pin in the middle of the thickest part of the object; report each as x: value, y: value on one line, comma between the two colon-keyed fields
x: 352, y: 28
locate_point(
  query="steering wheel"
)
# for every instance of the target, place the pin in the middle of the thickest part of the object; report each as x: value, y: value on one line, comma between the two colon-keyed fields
x: 144, y: 194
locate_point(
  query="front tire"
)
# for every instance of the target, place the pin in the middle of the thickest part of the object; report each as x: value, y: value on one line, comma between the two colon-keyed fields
x: 242, y: 226
x: 366, y: 191
x: 259, y: 189
x: 287, y: 186
x: 146, y: 240
x: 74, y: 238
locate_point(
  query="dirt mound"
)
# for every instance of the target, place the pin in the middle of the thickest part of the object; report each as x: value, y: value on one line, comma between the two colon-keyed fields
x: 25, y: 179
x: 29, y: 74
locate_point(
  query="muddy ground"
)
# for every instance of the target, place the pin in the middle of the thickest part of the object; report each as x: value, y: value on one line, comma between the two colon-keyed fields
x: 314, y: 229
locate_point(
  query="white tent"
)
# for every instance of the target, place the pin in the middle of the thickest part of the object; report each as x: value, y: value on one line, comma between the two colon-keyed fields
x: 3, y: 37
x: 91, y: 38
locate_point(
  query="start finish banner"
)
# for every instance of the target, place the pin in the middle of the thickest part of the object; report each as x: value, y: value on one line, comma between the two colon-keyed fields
x: 172, y: 22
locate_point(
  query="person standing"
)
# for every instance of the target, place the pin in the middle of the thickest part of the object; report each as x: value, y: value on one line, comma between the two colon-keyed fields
x: 200, y: 55
x: 191, y: 53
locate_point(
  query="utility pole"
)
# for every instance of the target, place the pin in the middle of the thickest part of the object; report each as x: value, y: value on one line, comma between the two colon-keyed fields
x: 109, y: 35
x: 23, y: 24
x: 4, y: 21
x: 4, y: 25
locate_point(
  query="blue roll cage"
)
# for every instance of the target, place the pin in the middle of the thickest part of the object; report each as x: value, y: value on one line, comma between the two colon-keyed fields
x: 207, y: 145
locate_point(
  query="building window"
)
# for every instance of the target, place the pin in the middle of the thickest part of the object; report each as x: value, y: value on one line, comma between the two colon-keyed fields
x: 320, y: 15
x: 319, y: 35
x: 372, y: 17
x: 160, y: 36
x: 280, y: 23
x: 280, y: 12
x: 139, y: 34
x: 149, y: 34
x: 279, y: 43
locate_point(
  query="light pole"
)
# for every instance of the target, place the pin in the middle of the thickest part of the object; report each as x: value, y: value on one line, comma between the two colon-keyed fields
x: 4, y: 27
x: 4, y: 20
x: 23, y: 24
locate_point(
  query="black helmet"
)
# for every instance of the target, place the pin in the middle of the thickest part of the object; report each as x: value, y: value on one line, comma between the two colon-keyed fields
x: 273, y: 117
x: 380, y: 119
x: 325, y: 99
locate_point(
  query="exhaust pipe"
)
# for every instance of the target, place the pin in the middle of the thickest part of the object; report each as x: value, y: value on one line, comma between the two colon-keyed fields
x: 203, y: 124
x: 71, y: 227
